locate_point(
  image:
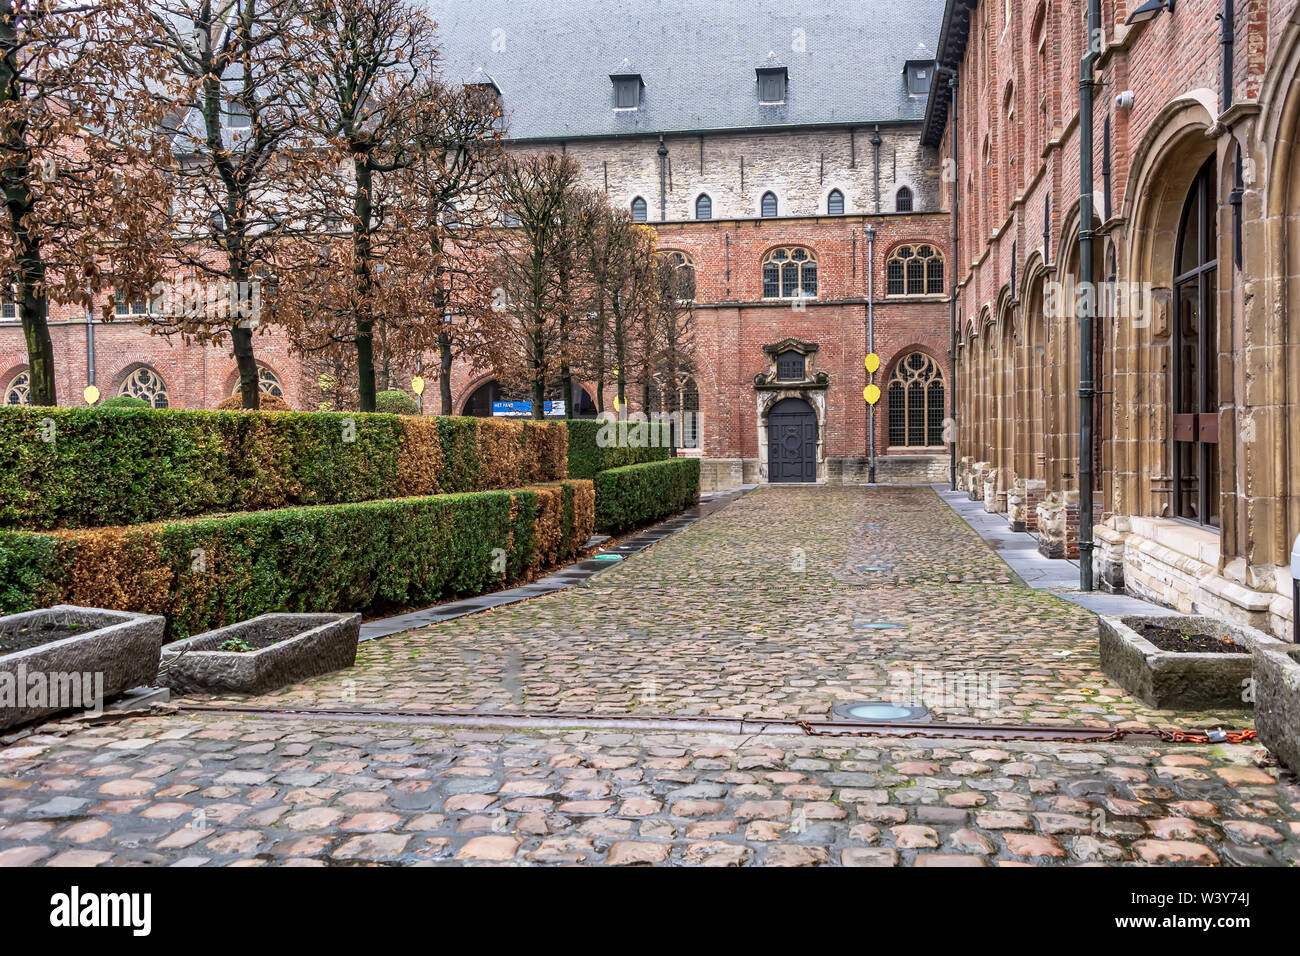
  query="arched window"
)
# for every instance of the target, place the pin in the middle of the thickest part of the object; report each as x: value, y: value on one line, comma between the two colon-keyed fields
x: 268, y: 383
x: 19, y: 389
x: 146, y: 384
x: 1195, y: 350
x: 835, y: 203
x: 769, y: 205
x: 903, y: 200
x: 916, y: 402
x: 914, y: 270
x: 685, y: 274
x: 703, y: 207
x: 789, y: 274
x: 638, y: 209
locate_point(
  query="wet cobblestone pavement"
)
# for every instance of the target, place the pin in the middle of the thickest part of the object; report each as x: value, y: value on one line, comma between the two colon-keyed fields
x: 768, y: 608
x: 190, y: 791
x: 772, y: 607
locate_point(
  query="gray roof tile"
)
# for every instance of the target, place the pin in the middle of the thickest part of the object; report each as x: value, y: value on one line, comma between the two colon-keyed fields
x: 552, y: 60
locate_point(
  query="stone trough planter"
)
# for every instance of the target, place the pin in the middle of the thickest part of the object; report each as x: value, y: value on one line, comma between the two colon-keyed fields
x: 73, y: 658
x: 1277, y: 705
x: 1182, y: 680
x: 282, y: 649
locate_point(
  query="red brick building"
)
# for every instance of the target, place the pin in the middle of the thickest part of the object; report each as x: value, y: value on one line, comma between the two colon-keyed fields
x: 1196, y: 394
x: 744, y: 134
x: 783, y: 165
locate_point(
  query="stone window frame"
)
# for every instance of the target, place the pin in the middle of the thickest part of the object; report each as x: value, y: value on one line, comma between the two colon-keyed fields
x: 145, y: 382
x: 708, y: 208
x: 684, y: 262
x: 19, y: 385
x: 830, y: 202
x: 641, y: 214
x: 762, y: 205
x: 901, y: 269
x: 904, y: 199
x: 806, y: 273
x: 905, y: 373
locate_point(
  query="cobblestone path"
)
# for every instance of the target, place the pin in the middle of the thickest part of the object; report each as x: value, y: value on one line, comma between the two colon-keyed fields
x: 252, y: 791
x: 768, y: 608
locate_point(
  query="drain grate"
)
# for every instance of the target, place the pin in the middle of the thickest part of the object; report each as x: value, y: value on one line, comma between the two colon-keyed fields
x: 875, y: 711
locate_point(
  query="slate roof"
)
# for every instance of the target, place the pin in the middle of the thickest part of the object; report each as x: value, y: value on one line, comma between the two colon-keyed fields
x: 552, y: 61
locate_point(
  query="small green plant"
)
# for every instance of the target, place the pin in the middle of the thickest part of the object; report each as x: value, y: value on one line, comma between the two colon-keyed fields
x: 396, y: 402
x: 125, y: 401
x: 236, y: 644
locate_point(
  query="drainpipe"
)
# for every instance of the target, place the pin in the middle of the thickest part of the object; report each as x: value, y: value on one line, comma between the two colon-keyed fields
x: 952, y: 299
x: 875, y: 150
x: 871, y: 346
x: 663, y: 180
x: 1226, y: 28
x: 90, y: 343
x: 1087, y: 387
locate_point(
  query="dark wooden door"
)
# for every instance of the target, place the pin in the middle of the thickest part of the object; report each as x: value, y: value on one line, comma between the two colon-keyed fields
x: 792, y: 441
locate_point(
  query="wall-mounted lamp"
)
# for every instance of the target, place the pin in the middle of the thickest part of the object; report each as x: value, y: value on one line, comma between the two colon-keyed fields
x: 1124, y: 100
x: 1148, y: 11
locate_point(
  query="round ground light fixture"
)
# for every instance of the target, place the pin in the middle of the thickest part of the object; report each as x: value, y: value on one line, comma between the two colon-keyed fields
x: 874, y: 711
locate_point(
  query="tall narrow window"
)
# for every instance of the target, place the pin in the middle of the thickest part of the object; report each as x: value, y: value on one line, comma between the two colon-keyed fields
x: 769, y: 205
x: 835, y: 203
x: 903, y: 200
x: 638, y: 209
x: 703, y: 207
x: 1195, y: 400
x: 916, y: 402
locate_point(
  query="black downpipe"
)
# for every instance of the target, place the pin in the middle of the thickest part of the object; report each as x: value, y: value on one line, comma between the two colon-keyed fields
x: 663, y: 179
x: 875, y: 150
x: 1227, y: 27
x: 1087, y: 387
x: 952, y: 325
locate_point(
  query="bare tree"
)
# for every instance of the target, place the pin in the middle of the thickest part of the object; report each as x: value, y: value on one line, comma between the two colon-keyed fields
x: 81, y: 153
x: 538, y: 191
x: 244, y: 66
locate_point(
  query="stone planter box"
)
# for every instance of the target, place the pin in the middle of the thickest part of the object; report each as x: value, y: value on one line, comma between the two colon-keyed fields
x: 1277, y: 705
x: 320, y: 643
x: 108, y: 653
x: 1175, y: 680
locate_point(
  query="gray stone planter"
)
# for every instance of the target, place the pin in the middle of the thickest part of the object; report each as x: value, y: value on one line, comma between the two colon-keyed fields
x: 323, y: 643
x: 1173, y: 680
x: 112, y: 651
x: 1277, y: 705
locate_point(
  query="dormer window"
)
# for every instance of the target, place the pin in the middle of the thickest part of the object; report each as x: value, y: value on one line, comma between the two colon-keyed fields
x: 771, y: 85
x: 627, y: 87
x: 919, y: 74
x: 236, y: 116
x: 481, y: 84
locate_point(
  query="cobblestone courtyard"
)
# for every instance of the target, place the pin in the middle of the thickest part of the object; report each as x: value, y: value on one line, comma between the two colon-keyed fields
x: 762, y: 610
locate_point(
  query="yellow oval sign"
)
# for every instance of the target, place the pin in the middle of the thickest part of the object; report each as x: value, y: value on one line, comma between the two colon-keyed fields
x: 417, y: 385
x: 91, y: 395
x: 872, y: 363
x: 872, y: 394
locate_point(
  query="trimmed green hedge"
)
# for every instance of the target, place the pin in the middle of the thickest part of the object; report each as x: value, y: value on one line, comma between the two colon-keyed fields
x: 87, y: 467
x: 636, y: 495
x: 625, y: 443
x: 209, y: 572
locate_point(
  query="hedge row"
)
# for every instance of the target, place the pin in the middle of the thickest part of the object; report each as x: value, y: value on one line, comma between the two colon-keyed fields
x: 83, y: 467
x: 597, y: 445
x: 636, y: 495
x: 208, y: 572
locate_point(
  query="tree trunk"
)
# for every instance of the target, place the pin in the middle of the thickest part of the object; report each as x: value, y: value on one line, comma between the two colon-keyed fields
x: 242, y: 338
x: 444, y: 378
x: 21, y: 206
x: 365, y: 340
